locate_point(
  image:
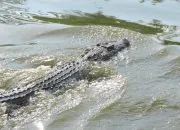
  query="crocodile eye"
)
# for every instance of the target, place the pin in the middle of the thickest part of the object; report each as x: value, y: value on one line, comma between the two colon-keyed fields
x: 110, y: 48
x: 98, y: 44
x: 89, y: 57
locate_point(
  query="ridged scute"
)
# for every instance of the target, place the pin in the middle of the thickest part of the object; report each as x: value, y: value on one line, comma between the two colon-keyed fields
x: 62, y: 74
x: 18, y: 92
x: 54, y: 79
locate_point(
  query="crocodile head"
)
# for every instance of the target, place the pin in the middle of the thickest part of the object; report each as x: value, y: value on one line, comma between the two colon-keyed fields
x: 104, y: 51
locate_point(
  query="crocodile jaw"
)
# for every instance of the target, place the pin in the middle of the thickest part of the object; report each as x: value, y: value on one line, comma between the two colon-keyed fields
x: 105, y: 51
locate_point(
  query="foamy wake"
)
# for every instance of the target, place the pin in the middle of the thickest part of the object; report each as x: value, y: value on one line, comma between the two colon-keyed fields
x: 91, y: 98
x: 101, y: 95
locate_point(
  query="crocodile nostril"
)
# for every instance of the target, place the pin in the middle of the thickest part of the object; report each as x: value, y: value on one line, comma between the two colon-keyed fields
x: 98, y: 44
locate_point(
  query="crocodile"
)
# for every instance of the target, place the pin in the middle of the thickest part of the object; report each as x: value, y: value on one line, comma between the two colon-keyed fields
x: 62, y: 74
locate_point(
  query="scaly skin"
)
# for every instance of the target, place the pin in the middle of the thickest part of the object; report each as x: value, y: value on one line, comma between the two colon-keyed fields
x: 61, y: 75
x: 53, y: 80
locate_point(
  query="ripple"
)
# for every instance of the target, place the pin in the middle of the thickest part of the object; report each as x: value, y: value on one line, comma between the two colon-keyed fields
x: 4, y: 45
x: 46, y: 111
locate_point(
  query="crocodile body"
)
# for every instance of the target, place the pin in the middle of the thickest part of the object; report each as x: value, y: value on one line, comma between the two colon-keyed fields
x: 55, y: 79
x: 62, y: 74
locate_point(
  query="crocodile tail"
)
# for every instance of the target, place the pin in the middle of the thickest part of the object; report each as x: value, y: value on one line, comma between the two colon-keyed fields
x: 20, y: 94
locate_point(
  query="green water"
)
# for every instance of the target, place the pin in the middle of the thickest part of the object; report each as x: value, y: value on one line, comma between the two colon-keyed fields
x: 140, y: 88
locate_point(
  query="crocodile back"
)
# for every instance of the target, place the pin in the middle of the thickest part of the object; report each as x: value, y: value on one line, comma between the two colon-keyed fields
x: 61, y: 75
x: 54, y: 79
x: 65, y: 73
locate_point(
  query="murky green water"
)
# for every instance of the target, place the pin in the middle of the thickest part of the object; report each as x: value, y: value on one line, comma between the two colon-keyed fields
x: 142, y: 93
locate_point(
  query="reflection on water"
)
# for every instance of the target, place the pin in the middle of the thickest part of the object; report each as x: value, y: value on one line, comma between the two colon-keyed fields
x: 39, y: 125
x: 13, y: 1
x: 95, y: 13
x: 156, y: 1
x: 14, y: 12
x: 100, y: 19
x: 153, y: 1
x: 20, y: 11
